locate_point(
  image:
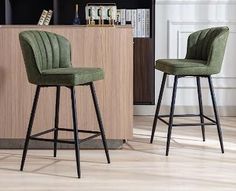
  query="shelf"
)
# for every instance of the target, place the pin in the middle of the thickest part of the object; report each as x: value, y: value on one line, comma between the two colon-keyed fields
x: 28, y: 11
x: 142, y: 38
x: 66, y: 8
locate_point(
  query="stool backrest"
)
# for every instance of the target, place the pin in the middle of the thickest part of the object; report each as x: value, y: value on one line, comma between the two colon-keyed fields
x: 43, y: 51
x: 208, y: 45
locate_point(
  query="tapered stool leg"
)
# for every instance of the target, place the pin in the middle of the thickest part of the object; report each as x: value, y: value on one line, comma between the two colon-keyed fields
x: 201, y: 107
x: 56, y: 121
x: 99, y: 118
x: 75, y: 128
x: 30, y: 125
x: 172, y: 109
x: 158, y: 107
x: 216, y: 114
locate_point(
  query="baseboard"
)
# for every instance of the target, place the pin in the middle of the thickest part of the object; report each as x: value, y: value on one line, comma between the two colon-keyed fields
x: 91, y: 144
x: 224, y: 111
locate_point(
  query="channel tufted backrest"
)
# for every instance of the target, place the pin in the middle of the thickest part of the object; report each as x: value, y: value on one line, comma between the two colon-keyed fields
x: 208, y: 45
x: 43, y: 51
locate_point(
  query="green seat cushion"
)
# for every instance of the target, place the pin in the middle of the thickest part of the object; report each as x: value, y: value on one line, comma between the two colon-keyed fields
x: 184, y: 67
x: 205, y: 53
x: 47, y: 59
x: 70, y: 76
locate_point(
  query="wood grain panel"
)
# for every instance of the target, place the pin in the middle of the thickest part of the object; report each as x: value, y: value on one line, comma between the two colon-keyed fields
x: 108, y: 48
x: 144, y: 78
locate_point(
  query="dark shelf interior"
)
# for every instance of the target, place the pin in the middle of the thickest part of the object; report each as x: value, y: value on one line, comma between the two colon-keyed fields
x: 2, y: 12
x: 28, y: 11
x: 66, y: 12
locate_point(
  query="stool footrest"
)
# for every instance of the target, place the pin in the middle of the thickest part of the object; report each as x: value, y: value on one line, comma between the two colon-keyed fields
x: 80, y: 131
x: 212, y: 122
x: 51, y: 140
x: 181, y: 115
x: 36, y: 137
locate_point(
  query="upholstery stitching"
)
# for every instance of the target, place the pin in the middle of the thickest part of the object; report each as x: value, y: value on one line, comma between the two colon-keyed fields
x: 59, y: 47
x: 51, y: 48
x: 40, y: 34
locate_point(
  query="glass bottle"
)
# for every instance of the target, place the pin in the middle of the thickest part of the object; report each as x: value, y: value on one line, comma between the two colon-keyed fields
x: 76, y: 20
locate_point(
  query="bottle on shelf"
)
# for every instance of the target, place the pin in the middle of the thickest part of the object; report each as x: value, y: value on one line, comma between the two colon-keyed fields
x: 76, y: 20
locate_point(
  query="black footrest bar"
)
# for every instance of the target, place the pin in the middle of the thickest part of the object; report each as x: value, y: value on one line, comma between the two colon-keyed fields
x: 186, y: 124
x: 51, y: 140
x: 80, y: 131
x: 44, y: 132
x: 162, y: 120
x: 192, y: 124
x: 208, y: 118
x: 181, y: 115
x: 64, y: 129
x: 64, y: 141
x: 88, y: 138
x: 37, y: 138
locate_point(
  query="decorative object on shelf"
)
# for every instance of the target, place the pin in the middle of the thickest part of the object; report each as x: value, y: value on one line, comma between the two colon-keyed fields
x: 111, y: 19
x: 138, y: 18
x: 118, y: 17
x: 91, y: 16
x: 45, y: 17
x: 98, y: 14
x: 48, y: 18
x: 76, y: 20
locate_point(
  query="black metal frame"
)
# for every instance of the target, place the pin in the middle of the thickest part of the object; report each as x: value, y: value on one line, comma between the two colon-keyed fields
x: 200, y: 115
x: 56, y: 128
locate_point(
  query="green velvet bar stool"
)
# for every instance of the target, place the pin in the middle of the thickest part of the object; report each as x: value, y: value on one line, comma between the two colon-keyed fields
x: 47, y: 59
x: 205, y: 53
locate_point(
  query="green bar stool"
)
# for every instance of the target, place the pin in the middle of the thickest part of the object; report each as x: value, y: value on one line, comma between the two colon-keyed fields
x: 47, y: 59
x: 205, y: 53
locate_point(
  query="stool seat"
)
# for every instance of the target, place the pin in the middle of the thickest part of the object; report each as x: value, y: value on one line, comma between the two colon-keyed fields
x: 70, y: 76
x: 184, y: 67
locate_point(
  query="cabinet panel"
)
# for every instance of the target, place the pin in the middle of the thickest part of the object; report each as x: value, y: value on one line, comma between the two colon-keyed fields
x: 144, y: 71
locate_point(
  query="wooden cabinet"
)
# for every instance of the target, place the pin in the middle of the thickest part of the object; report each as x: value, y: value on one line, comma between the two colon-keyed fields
x: 107, y: 48
x: 28, y: 12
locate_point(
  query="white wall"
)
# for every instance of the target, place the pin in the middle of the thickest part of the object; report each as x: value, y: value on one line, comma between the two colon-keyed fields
x: 175, y: 20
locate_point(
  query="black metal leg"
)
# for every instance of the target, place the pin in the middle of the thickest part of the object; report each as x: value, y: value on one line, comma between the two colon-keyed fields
x: 216, y: 114
x: 201, y: 107
x: 158, y: 107
x: 172, y: 109
x: 56, y: 121
x: 75, y: 128
x: 30, y: 125
x: 99, y: 118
